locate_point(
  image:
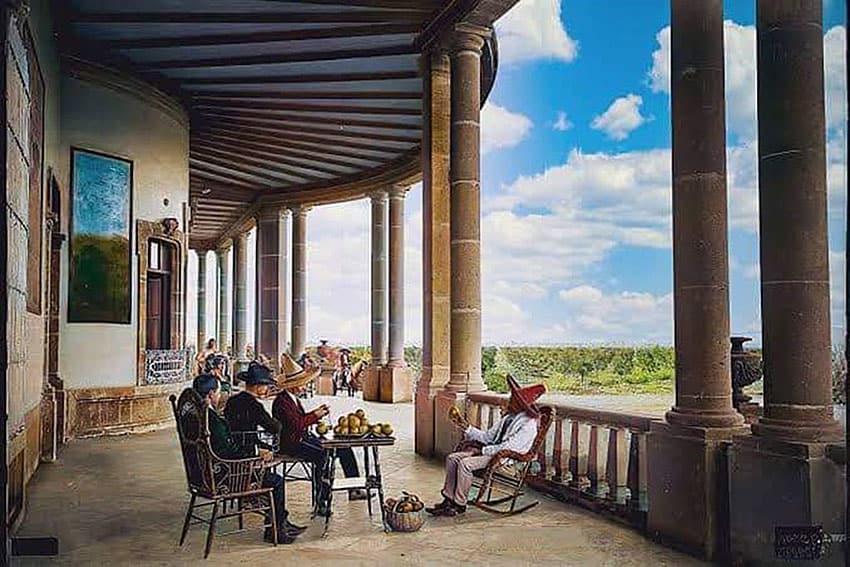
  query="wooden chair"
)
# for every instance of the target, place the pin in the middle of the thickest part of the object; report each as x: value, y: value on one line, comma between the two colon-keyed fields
x: 506, y: 474
x: 213, y: 478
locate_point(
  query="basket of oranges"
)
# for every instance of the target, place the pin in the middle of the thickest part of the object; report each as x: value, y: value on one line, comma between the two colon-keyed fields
x: 404, y: 514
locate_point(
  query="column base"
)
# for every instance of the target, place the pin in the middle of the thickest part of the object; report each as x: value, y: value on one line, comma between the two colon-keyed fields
x: 372, y: 384
x: 687, y: 487
x: 779, y: 484
x: 446, y: 435
x: 396, y: 384
x: 792, y: 431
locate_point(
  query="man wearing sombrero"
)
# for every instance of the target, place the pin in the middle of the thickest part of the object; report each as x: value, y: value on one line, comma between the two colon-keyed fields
x: 295, y: 438
x: 515, y: 432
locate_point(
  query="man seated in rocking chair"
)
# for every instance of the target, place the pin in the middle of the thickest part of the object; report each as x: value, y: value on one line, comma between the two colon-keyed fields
x: 516, y: 431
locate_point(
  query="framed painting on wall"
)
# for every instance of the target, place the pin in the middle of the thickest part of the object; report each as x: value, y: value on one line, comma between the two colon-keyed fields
x: 101, y: 209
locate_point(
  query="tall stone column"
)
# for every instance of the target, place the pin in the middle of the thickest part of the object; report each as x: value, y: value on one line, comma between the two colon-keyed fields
x: 790, y: 443
x: 396, y: 276
x: 436, y: 251
x: 686, y: 483
x: 223, y: 307
x: 299, y: 279
x: 240, y: 296
x: 465, y: 176
x: 379, y: 278
x: 202, y: 299
x: 271, y: 282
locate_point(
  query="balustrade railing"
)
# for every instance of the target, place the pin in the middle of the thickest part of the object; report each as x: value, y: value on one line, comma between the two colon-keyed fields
x: 168, y: 366
x: 594, y: 458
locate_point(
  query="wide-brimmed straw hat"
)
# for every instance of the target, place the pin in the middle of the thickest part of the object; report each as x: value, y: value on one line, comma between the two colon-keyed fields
x: 293, y: 374
x: 526, y: 395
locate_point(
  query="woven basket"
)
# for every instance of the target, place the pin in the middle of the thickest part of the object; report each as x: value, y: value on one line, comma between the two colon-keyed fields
x: 405, y: 521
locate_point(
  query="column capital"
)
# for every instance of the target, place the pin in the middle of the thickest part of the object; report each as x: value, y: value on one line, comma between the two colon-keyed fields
x: 225, y: 246
x: 378, y: 195
x: 398, y: 191
x: 299, y: 209
x: 469, y: 37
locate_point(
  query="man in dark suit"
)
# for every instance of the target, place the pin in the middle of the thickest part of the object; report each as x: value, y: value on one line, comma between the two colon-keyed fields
x: 295, y: 438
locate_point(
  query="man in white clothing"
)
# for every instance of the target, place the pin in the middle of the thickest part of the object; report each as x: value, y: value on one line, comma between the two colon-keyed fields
x: 516, y: 431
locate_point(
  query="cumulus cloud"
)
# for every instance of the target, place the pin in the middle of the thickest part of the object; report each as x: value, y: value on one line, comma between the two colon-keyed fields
x: 621, y: 118
x: 740, y: 66
x: 562, y: 124
x: 533, y: 29
x: 501, y: 128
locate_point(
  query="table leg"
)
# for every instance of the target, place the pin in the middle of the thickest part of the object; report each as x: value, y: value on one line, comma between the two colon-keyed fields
x: 331, y: 468
x: 380, y: 482
x: 368, y: 482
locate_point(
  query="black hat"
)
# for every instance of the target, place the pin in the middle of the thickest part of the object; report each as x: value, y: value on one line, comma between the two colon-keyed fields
x: 214, y: 361
x: 257, y: 375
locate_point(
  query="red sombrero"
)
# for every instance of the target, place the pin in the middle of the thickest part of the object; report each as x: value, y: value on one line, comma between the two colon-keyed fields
x: 526, y: 395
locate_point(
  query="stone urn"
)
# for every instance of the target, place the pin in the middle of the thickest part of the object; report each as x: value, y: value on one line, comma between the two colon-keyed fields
x: 746, y: 369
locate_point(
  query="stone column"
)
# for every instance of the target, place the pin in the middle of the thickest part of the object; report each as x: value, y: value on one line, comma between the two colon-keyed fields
x: 202, y: 299
x: 299, y: 279
x: 271, y: 285
x: 240, y: 296
x: 436, y: 252
x: 465, y: 174
x: 396, y: 276
x: 223, y: 307
x: 789, y: 451
x: 686, y: 485
x: 379, y: 278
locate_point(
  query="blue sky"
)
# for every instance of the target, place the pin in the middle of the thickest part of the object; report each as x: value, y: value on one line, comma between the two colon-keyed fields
x: 576, y: 185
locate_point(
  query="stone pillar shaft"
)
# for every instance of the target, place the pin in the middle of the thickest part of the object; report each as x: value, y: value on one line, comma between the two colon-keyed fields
x: 202, y: 299
x: 240, y: 295
x: 299, y: 280
x: 379, y: 278
x: 396, y: 277
x: 271, y: 283
x: 700, y: 258
x: 223, y: 307
x: 796, y: 330
x: 465, y: 175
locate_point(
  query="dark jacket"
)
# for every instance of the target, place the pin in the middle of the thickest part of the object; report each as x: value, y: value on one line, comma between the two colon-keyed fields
x: 293, y: 419
x: 222, y: 442
x: 245, y: 413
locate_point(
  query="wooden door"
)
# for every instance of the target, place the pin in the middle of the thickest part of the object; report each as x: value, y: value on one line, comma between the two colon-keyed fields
x: 155, y: 313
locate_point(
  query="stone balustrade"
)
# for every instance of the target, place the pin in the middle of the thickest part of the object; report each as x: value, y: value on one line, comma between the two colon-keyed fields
x: 593, y: 458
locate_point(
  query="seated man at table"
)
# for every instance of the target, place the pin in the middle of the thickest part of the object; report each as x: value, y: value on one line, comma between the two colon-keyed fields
x: 244, y: 411
x: 225, y: 446
x: 515, y: 432
x: 295, y: 439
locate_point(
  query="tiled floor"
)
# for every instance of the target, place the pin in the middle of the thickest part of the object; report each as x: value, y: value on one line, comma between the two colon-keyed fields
x: 120, y: 501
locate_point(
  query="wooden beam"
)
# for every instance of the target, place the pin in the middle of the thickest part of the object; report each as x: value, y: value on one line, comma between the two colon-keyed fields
x: 242, y: 158
x: 306, y: 107
x: 295, y: 79
x: 406, y: 5
x: 319, y: 131
x: 217, y: 190
x: 453, y: 13
x: 232, y: 165
x: 321, y: 140
x: 265, y: 158
x: 305, y: 151
x: 299, y: 118
x: 339, y: 17
x: 279, y: 58
x: 260, y: 37
x: 201, y: 170
x: 318, y: 95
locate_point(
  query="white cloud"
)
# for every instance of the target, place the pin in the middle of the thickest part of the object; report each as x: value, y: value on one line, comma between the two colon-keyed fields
x: 562, y: 124
x: 533, y: 29
x: 740, y: 65
x: 501, y: 128
x: 621, y: 118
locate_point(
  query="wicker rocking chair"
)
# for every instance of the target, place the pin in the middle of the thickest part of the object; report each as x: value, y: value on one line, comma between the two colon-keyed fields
x: 506, y: 474
x: 214, y: 479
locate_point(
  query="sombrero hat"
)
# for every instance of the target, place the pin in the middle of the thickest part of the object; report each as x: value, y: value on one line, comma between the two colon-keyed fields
x: 526, y: 395
x: 293, y: 374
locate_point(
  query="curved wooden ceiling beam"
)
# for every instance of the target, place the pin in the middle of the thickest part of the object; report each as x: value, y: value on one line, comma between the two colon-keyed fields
x: 341, y: 17
x: 272, y: 117
x: 306, y: 107
x: 294, y: 79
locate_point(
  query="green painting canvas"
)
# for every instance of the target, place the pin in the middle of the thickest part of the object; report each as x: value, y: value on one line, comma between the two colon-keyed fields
x: 101, y: 197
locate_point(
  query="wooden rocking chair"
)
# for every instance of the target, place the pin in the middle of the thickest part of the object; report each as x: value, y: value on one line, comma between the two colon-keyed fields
x: 215, y: 479
x: 506, y: 473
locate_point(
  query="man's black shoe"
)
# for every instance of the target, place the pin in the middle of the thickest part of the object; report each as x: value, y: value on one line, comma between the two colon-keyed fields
x: 283, y: 537
x: 293, y: 529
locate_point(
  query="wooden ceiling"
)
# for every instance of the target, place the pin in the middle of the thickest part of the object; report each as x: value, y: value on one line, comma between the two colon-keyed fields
x: 286, y: 98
